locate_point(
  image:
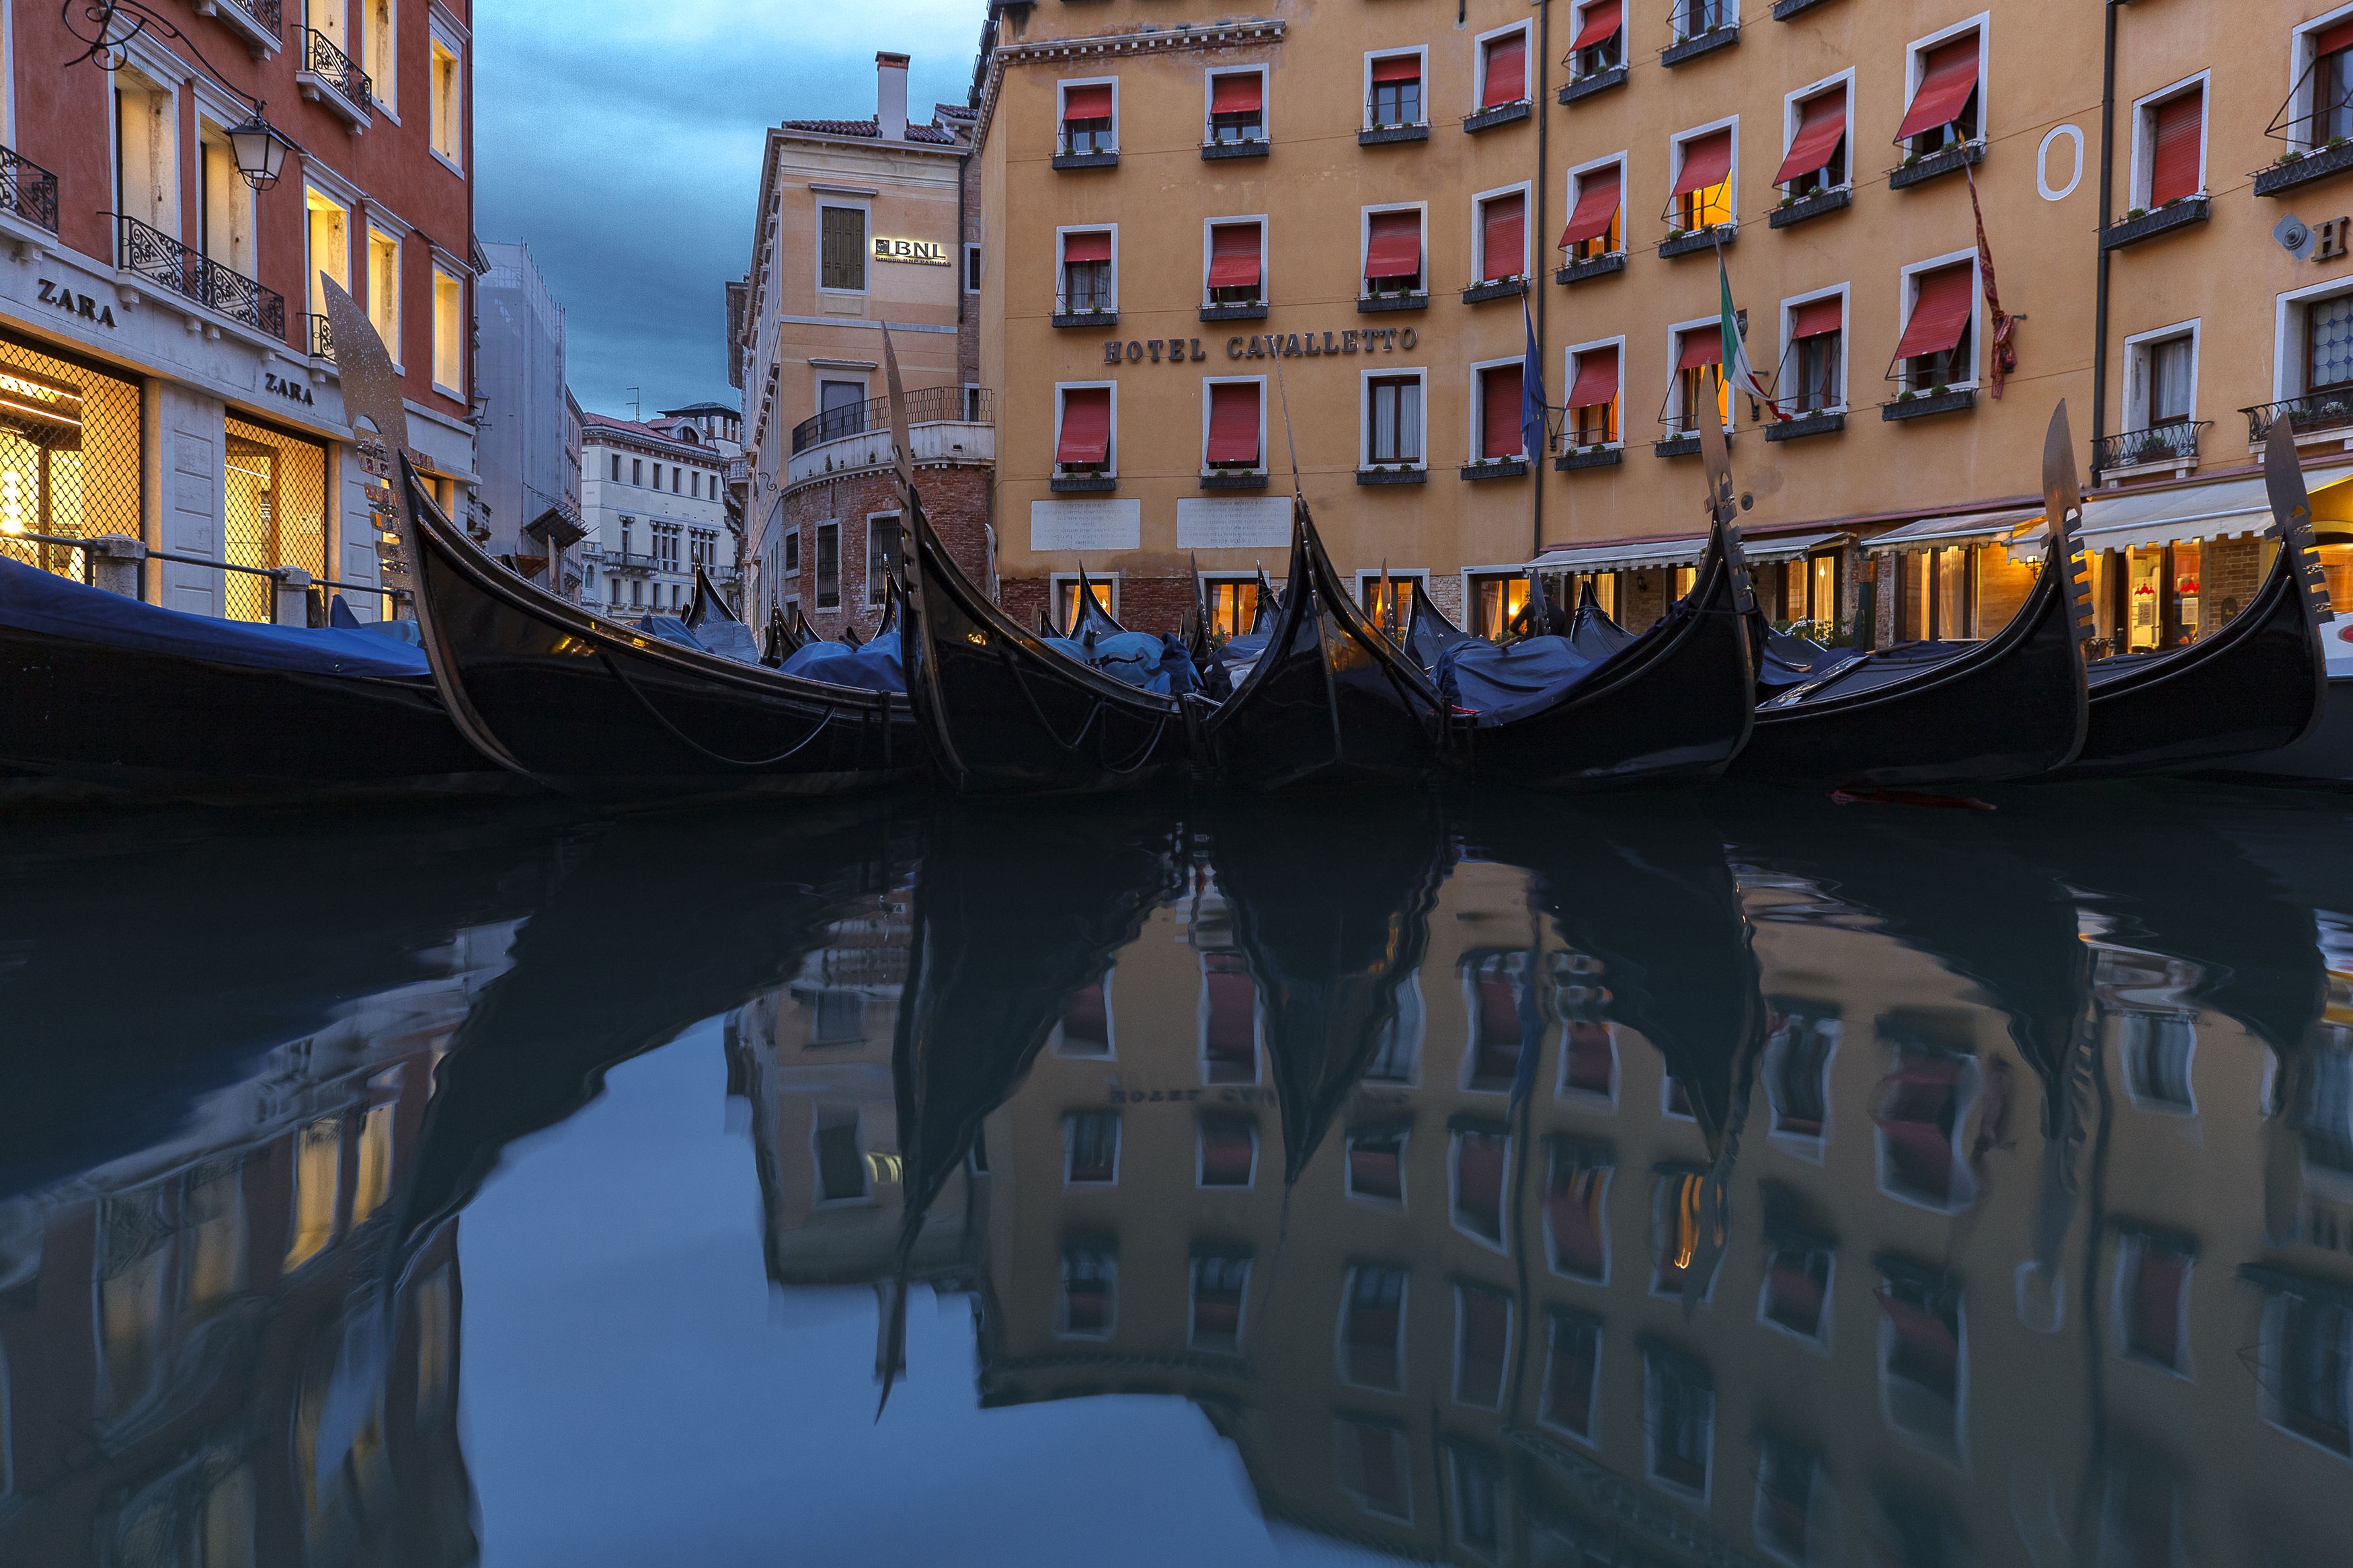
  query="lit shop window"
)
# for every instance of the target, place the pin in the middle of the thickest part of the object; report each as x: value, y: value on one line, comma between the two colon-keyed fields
x: 69, y: 458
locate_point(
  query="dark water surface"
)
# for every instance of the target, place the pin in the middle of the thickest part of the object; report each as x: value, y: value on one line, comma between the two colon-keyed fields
x: 1715, y: 1179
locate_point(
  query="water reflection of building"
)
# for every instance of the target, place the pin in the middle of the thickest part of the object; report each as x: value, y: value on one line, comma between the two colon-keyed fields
x: 203, y: 1362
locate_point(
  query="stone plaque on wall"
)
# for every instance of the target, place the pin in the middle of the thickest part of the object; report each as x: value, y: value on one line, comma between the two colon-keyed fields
x: 1109, y: 524
x: 1233, y: 522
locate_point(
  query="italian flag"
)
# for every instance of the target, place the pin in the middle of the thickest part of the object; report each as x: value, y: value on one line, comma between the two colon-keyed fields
x: 1736, y: 368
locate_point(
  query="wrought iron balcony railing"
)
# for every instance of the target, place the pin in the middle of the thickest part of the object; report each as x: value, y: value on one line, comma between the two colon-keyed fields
x: 322, y: 338
x: 323, y: 58
x: 156, y: 257
x: 2174, y: 443
x: 270, y: 13
x: 27, y: 191
x: 930, y: 405
x: 2331, y: 409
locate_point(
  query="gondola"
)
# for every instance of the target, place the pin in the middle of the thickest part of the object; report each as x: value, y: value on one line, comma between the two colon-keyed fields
x: 543, y: 688
x: 1592, y: 629
x: 2011, y: 706
x: 1269, y: 600
x: 1002, y: 711
x: 1089, y: 619
x: 716, y: 626
x: 2257, y: 684
x: 1428, y: 633
x: 1676, y: 703
x: 1330, y: 700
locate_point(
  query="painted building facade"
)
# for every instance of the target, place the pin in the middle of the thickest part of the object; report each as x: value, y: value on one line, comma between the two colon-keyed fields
x: 654, y: 503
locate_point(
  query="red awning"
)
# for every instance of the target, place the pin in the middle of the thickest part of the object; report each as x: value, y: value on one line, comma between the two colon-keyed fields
x: 1398, y: 67
x: 1086, y: 102
x: 2174, y: 167
x: 2339, y: 36
x: 1499, y: 411
x: 1233, y: 422
x: 1233, y: 256
x: 1707, y: 160
x: 1502, y: 244
x: 1508, y: 70
x: 1596, y: 379
x: 1086, y: 427
x: 1701, y: 345
x: 1939, y: 314
x: 1815, y: 317
x: 1602, y: 19
x: 1242, y: 93
x: 1393, y: 246
x: 1948, y: 77
x: 1093, y: 246
x: 1820, y: 128
x: 1596, y: 206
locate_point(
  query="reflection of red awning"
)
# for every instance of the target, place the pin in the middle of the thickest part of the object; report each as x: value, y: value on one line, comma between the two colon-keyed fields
x: 1086, y: 103
x: 1233, y: 438
x: 1093, y: 246
x: 1233, y: 256
x: 1820, y: 128
x: 1503, y: 246
x: 1241, y: 93
x: 1701, y: 345
x: 2173, y: 166
x: 1815, y: 317
x: 1226, y: 1151
x: 1796, y: 1296
x: 1576, y: 1231
x: 1508, y: 70
x: 1707, y: 160
x: 1398, y: 67
x: 1933, y: 1349
x: 1499, y: 419
x: 1940, y: 313
x: 1479, y: 1181
x: 1595, y: 385
x: 1602, y: 19
x: 1499, y: 1001
x: 1950, y: 75
x: 1393, y: 246
x: 1086, y: 426
x: 1086, y: 1018
x: 1373, y: 1173
x: 1597, y: 205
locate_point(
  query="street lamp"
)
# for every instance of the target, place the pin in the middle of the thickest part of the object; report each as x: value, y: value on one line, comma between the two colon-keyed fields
x: 260, y: 149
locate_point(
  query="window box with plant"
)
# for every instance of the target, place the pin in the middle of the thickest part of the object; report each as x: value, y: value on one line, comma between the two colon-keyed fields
x: 2316, y: 121
x: 1699, y: 214
x: 1088, y: 139
x: 1236, y: 126
x: 1503, y: 82
x: 1702, y: 27
x: 1941, y: 133
x: 1815, y: 176
x: 1597, y: 53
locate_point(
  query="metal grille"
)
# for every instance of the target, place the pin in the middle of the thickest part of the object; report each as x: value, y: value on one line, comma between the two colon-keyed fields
x: 27, y: 190
x: 69, y: 457
x: 274, y: 513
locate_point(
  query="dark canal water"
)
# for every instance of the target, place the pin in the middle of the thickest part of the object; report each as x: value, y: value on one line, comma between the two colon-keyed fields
x: 1691, y: 1181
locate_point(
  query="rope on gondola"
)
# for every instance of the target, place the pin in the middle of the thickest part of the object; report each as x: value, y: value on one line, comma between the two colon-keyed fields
x: 630, y: 687
x: 1143, y: 753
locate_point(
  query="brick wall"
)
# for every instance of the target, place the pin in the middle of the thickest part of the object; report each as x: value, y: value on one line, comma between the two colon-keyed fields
x: 1146, y: 604
x: 1645, y: 598
x: 955, y: 498
x: 2230, y: 572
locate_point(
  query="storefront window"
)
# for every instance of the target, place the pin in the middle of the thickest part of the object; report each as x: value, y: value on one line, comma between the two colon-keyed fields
x: 1952, y: 592
x: 2143, y: 572
x: 275, y: 511
x: 1494, y: 600
x: 69, y: 458
x: 2337, y: 566
x: 1233, y: 606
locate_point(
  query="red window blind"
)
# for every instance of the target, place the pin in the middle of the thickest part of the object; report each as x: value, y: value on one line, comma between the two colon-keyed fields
x: 2339, y: 36
x: 1499, y: 414
x: 1503, y: 242
x: 1602, y: 19
x: 1398, y: 67
x: 1233, y: 256
x: 2173, y: 162
x: 1093, y: 246
x: 1707, y: 160
x: 1226, y: 1150
x: 1239, y: 94
x: 1947, y: 77
x: 1939, y: 314
x: 1701, y: 346
x: 1820, y: 123
x: 1596, y: 386
x: 1508, y: 70
x: 1815, y: 317
x: 1924, y: 1339
x: 1086, y: 427
x: 1793, y: 1296
x: 1233, y: 438
x: 1596, y: 206
x: 1375, y: 1171
x: 1485, y: 1334
x: 1086, y: 103
x: 1393, y: 246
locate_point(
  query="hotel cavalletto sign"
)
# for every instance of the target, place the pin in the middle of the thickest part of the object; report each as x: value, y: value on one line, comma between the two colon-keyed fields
x: 1264, y: 345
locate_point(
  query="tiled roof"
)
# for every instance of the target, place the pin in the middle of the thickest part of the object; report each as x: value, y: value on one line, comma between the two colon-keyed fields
x: 935, y: 135
x: 672, y: 432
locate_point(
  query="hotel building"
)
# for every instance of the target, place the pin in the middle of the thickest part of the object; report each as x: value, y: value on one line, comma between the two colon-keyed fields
x: 1343, y: 235
x: 166, y: 372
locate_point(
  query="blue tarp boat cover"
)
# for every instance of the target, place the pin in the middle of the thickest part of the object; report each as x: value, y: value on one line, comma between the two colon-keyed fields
x: 1156, y: 664
x: 728, y: 639
x: 876, y: 667
x: 40, y: 602
x: 340, y: 616
x: 1503, y: 683
x: 670, y: 629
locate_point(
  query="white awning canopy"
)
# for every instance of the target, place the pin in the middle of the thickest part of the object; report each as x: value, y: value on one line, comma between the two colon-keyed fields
x: 1632, y: 554
x: 1969, y: 527
x: 2175, y: 516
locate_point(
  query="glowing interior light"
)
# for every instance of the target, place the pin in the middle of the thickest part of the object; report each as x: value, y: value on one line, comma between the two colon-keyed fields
x: 12, y: 502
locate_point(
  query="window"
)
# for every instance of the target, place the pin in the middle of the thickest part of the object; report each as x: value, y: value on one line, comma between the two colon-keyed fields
x: 1815, y: 361
x: 1086, y: 1027
x: 2152, y: 1300
x: 379, y: 47
x: 1372, y: 1327
x: 1597, y: 202
x: 1503, y: 236
x: 2161, y: 395
x: 1237, y: 263
x: 1593, y: 406
x: 1091, y: 1148
x: 1393, y: 428
x: 1498, y: 412
x: 1572, y: 1373
x: 2320, y: 110
x: 1478, y: 1501
x: 1684, y: 1235
x: 638, y: 471
x: 1600, y: 44
x: 1089, y: 1294
x: 1396, y: 98
x: 1088, y: 113
x: 657, y: 476
x: 449, y: 332
x: 1937, y: 349
x: 1220, y: 1288
x: 1577, y: 1233
x: 1229, y: 1020
x: 841, y: 1163
x: 1231, y: 424
x: 1065, y: 589
x: 829, y: 565
x: 1482, y: 1345
x: 841, y: 407
x: 841, y: 248
x: 1920, y: 1352
x: 1679, y: 1410
x: 1796, y: 1294
x: 449, y: 84
x: 792, y: 552
x: 1237, y: 107
x: 2328, y: 343
x: 1798, y: 1051
x: 1503, y: 68
x: 972, y: 268
x: 1375, y: 1468
x: 1233, y: 605
x: 1789, y: 1488
x: 384, y: 290
x: 1921, y: 1111
x: 1481, y: 1155
x: 882, y: 545
x: 2170, y: 148
x: 1229, y: 1151
x: 1698, y: 379
x: 1087, y: 273
x: 1393, y: 252
x: 146, y: 151
x: 1083, y: 434
x: 1693, y: 17
x: 1703, y: 191
x: 225, y: 217
x: 318, y: 1176
x: 2307, y: 1357
x: 327, y: 249
x: 1945, y: 102
x: 1816, y: 160
x: 1376, y: 1163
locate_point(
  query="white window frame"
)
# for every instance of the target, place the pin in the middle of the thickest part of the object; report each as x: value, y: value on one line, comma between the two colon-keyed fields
x: 1650, y: 1406
x: 2143, y: 135
x: 1367, y: 577
x: 817, y: 600
x: 1675, y: 20
x: 1109, y: 1053
x: 1577, y: 17
x: 1405, y: 1174
x: 1249, y: 1267
x: 1265, y: 74
x: 1511, y: 1337
x: 1057, y: 581
x: 1907, y: 296
x: 1915, y: 58
x: 1476, y: 416
x: 1340, y: 1328
x: 1793, y: 102
x: 458, y: 108
x: 1679, y: 148
x: 1365, y: 216
x: 865, y: 594
x: 1070, y: 1141
x: 972, y: 267
x: 2138, y: 386
x: 1959, y: 1446
x: 1479, y: 46
x: 1365, y: 101
x: 1609, y: 1174
x: 864, y: 207
x: 442, y: 270
x: 1365, y: 379
x: 1209, y: 381
x: 1209, y: 225
x: 378, y: 80
x: 376, y: 230
x: 1062, y: 388
x: 1818, y: 1341
x: 1969, y: 1087
x: 2301, y: 56
x: 1568, y: 358
x: 1502, y: 1244
x: 1062, y: 102
x: 1201, y: 1015
x: 1591, y: 1437
x: 1676, y: 333
x: 1845, y: 294
x: 2269, y: 1335
x: 1201, y: 1161
x: 1577, y: 173
x: 1063, y: 1330
x: 1525, y: 191
x: 865, y: 1196
x: 1062, y: 234
x: 2288, y: 369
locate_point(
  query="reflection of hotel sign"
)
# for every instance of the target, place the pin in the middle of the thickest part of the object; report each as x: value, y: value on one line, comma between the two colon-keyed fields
x: 1264, y: 346
x: 921, y: 252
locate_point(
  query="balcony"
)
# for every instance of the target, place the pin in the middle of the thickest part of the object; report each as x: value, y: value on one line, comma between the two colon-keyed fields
x: 1511, y: 288
x: 1234, y: 480
x: 328, y: 76
x: 1591, y: 267
x: 1375, y: 133
x: 1803, y: 422
x: 1085, y: 156
x: 322, y: 339
x: 2296, y: 168
x: 1814, y: 204
x: 1586, y: 86
x: 1724, y: 35
x: 28, y: 192
x: 946, y: 425
x: 2140, y: 225
x: 1502, y: 114
x: 1085, y: 311
x: 259, y: 25
x: 1683, y: 242
x: 1785, y: 9
x: 1926, y: 405
x: 2328, y: 415
x: 158, y: 259
x: 1923, y: 166
x: 2169, y: 447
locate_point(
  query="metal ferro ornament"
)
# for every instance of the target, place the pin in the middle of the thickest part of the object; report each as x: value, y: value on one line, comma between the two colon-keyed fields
x: 106, y: 30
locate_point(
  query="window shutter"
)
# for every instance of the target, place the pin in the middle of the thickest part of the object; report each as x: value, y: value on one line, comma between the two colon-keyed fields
x: 1939, y: 315
x: 1602, y: 19
x: 1398, y: 67
x: 1233, y: 422
x: 1233, y: 256
x: 2178, y: 125
x: 1816, y: 317
x: 1508, y: 70
x: 1707, y: 160
x: 1086, y: 427
x: 1093, y: 246
x: 1238, y: 94
x: 1499, y: 411
x: 1947, y: 78
x: 1820, y: 126
x: 1502, y: 241
x: 2333, y: 40
x: 1596, y: 379
x: 1596, y: 206
x: 1086, y: 103
x: 1393, y: 246
x: 1701, y: 346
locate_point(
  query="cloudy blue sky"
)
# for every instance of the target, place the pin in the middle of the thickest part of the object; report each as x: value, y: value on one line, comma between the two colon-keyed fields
x: 623, y: 144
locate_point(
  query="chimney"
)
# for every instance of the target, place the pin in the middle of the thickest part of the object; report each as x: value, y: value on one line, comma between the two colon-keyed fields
x: 891, y: 96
